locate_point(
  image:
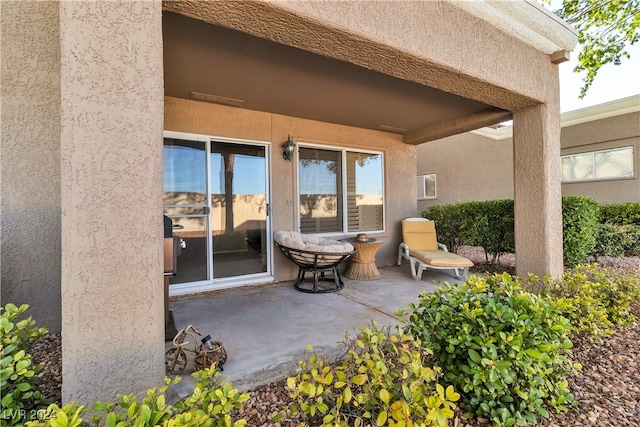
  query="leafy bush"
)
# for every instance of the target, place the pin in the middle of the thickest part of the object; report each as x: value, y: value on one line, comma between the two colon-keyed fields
x: 210, y: 404
x: 612, y: 240
x: 383, y: 380
x: 21, y: 399
x: 490, y: 225
x: 620, y: 213
x: 631, y: 240
x: 579, y: 221
x: 454, y: 223
x: 594, y: 298
x: 496, y: 235
x: 503, y: 348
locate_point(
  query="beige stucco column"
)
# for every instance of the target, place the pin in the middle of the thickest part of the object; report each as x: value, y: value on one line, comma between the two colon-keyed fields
x: 537, y: 195
x: 111, y: 198
x: 30, y: 159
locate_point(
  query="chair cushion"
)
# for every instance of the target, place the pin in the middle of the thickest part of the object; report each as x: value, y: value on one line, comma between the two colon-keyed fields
x: 305, y: 242
x: 442, y: 259
x: 419, y: 234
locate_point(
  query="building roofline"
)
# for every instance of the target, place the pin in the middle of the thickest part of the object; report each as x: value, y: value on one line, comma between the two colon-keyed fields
x: 527, y: 21
x: 618, y: 107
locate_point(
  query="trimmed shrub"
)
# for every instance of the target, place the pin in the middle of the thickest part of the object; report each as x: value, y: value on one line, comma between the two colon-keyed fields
x: 617, y: 240
x: 610, y: 241
x: 21, y: 399
x: 593, y: 298
x: 496, y: 235
x: 620, y: 213
x: 632, y: 240
x: 488, y: 224
x: 383, y: 380
x: 579, y: 220
x: 454, y: 223
x: 504, y: 349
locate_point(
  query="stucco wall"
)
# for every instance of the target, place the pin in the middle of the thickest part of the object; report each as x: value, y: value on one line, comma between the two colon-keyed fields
x: 399, y: 162
x: 473, y: 167
x: 467, y: 167
x: 111, y: 157
x: 30, y: 159
x: 613, y: 132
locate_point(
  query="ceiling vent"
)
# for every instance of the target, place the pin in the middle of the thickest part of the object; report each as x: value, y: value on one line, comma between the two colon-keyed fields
x: 216, y: 99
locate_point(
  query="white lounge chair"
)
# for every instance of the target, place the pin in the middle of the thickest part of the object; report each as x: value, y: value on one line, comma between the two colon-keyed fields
x: 421, y: 247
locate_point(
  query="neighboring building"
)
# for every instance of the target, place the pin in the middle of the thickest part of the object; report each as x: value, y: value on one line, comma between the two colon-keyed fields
x: 90, y: 90
x: 599, y: 158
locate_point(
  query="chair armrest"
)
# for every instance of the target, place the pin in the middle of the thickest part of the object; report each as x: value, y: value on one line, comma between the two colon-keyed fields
x: 403, y: 252
x: 405, y: 249
x: 442, y: 247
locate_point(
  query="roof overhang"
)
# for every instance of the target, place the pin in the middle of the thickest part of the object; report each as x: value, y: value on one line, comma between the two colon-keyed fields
x: 224, y: 57
x: 528, y: 21
x: 605, y: 110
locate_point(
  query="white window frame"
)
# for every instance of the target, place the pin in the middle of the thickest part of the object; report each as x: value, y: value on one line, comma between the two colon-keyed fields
x: 593, y: 154
x: 422, y: 186
x: 343, y: 184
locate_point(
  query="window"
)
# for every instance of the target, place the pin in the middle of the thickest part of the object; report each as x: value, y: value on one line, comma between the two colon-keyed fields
x: 598, y: 165
x: 340, y: 190
x: 426, y: 186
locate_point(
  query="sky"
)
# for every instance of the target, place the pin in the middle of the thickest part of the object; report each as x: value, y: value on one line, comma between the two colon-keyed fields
x: 612, y: 82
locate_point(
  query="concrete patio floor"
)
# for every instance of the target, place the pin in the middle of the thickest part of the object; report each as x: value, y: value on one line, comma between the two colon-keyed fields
x: 265, y: 329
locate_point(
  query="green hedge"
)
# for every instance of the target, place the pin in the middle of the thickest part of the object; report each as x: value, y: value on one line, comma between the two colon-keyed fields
x: 617, y: 240
x: 620, y: 213
x: 490, y: 225
x: 580, y: 228
x: 456, y: 223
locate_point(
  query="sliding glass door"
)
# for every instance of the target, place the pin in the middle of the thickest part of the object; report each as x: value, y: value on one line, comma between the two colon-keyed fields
x: 216, y: 193
x: 239, y: 209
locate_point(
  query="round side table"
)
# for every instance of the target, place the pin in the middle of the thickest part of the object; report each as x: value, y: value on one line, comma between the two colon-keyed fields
x: 363, y: 262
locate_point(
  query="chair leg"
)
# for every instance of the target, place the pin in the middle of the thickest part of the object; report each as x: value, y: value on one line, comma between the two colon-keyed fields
x: 315, y: 281
x: 338, y: 279
x: 413, y: 263
x: 462, y: 276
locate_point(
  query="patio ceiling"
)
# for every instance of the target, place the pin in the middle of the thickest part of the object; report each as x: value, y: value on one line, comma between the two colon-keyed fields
x: 211, y: 63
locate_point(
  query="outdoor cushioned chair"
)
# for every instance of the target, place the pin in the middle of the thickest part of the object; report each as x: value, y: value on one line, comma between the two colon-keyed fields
x: 315, y: 255
x: 421, y: 247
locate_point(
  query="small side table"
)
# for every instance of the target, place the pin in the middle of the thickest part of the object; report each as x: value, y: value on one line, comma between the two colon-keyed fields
x: 363, y: 262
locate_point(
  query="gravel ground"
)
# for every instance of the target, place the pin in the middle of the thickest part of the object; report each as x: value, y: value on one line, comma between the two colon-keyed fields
x: 608, y: 386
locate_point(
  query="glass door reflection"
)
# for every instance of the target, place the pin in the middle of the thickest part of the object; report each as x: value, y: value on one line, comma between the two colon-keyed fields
x: 239, y: 209
x: 185, y: 202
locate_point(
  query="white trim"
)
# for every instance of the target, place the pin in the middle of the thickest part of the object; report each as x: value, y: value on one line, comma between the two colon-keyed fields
x: 227, y: 282
x: 593, y: 154
x: 185, y: 136
x: 343, y: 155
x: 422, y: 184
x: 495, y: 134
x: 618, y: 107
x: 191, y: 288
x: 527, y: 21
x: 605, y: 110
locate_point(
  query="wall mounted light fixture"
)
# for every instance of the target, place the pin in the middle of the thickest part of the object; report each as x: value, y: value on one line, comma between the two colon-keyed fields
x: 288, y: 147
